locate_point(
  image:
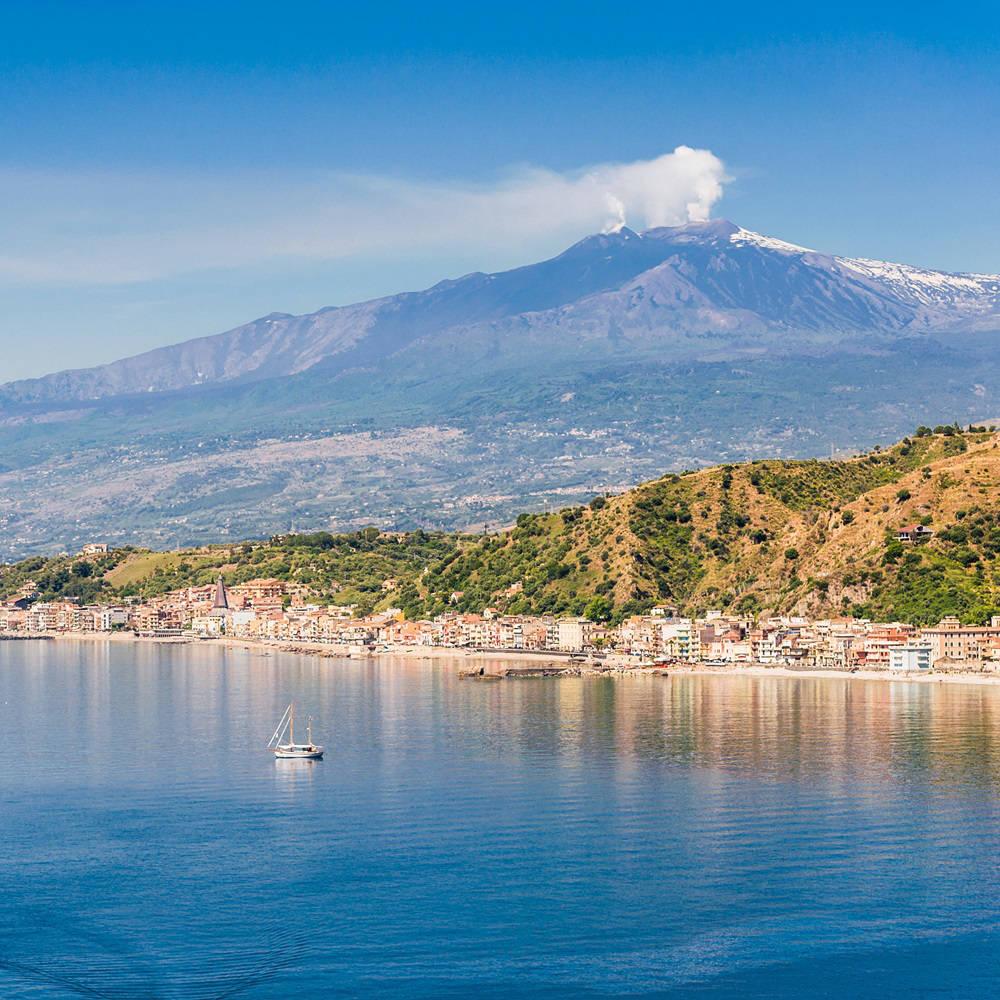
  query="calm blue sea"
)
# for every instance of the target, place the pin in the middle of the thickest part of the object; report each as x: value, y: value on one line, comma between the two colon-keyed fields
x: 701, y: 837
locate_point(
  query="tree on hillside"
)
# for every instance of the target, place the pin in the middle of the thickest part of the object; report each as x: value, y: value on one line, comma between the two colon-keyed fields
x: 599, y: 609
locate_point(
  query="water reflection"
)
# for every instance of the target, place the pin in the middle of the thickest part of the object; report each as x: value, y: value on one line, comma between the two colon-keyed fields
x: 105, y: 701
x: 727, y: 835
x: 292, y: 776
x: 770, y: 726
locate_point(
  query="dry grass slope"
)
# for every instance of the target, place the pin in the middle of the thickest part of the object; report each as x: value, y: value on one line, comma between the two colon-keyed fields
x: 809, y: 536
x: 812, y: 537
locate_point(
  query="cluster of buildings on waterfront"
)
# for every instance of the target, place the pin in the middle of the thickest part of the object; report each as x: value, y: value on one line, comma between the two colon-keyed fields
x: 276, y: 611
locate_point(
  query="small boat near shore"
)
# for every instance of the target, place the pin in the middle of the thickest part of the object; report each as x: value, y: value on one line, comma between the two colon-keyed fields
x: 291, y: 750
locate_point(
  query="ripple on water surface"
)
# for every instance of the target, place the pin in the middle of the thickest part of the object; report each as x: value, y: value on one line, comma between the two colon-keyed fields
x: 702, y: 836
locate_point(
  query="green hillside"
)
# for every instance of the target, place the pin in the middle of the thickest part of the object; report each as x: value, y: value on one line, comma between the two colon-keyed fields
x: 809, y: 537
x: 356, y: 568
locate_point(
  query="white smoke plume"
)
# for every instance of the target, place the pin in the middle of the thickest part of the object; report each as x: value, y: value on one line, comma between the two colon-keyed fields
x: 617, y: 209
x: 147, y: 227
x: 682, y: 186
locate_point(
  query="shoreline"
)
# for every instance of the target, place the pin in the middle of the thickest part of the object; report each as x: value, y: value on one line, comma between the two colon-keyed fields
x: 572, y: 667
x: 327, y: 650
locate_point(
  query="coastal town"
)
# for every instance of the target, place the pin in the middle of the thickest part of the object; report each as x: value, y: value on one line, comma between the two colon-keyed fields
x: 276, y: 612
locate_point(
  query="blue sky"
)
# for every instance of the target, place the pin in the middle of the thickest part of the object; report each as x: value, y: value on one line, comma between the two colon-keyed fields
x: 169, y: 170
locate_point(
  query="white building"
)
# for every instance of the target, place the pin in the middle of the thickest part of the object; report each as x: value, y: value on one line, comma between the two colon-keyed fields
x: 572, y: 634
x: 910, y: 658
x: 241, y: 620
x: 208, y: 625
x: 108, y: 618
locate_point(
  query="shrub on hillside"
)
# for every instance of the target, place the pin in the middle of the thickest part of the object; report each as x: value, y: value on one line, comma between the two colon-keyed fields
x: 599, y: 609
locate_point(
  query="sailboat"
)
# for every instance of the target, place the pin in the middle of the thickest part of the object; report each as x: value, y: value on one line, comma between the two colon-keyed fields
x: 292, y: 750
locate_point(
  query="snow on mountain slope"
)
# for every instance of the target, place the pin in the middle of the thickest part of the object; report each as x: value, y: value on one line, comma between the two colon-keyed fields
x: 750, y: 238
x: 701, y: 280
x: 965, y: 292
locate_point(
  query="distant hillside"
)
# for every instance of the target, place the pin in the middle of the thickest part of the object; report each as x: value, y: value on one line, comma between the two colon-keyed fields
x: 810, y: 537
x: 814, y: 537
x: 687, y: 285
x: 490, y: 394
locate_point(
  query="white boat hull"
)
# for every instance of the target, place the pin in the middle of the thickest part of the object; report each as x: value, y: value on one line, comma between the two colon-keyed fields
x: 299, y: 753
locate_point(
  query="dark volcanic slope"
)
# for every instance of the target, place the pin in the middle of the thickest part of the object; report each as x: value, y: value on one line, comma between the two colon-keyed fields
x: 280, y: 344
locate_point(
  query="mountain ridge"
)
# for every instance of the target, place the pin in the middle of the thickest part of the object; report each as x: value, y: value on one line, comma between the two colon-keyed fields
x: 699, y: 279
x: 801, y: 537
x: 485, y: 395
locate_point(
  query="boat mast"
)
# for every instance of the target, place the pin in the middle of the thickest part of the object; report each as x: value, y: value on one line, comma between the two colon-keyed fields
x: 282, y: 726
x: 292, y: 723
